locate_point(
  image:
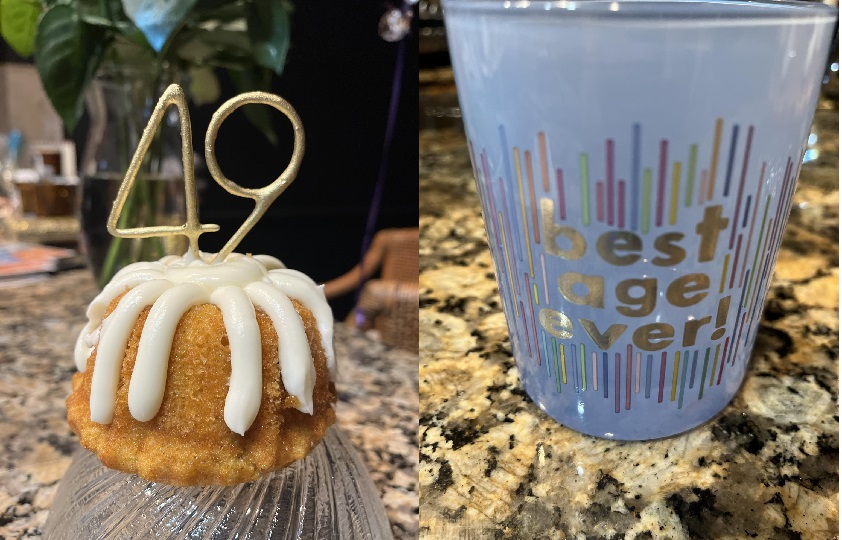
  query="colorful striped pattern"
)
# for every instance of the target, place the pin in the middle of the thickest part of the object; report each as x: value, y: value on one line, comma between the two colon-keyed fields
x: 649, y: 203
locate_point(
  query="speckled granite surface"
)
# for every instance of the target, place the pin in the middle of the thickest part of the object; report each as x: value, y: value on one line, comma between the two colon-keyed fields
x: 494, y: 466
x: 378, y: 405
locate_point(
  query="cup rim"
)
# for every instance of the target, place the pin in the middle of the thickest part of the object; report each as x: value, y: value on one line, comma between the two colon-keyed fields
x: 723, y: 10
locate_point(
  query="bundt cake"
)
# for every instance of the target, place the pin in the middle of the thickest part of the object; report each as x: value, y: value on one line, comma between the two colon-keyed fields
x: 194, y: 372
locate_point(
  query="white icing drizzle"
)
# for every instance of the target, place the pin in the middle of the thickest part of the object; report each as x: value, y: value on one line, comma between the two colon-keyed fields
x: 270, y: 262
x: 173, y: 285
x: 246, y: 386
x: 313, y: 298
x: 146, y: 387
x: 292, y: 345
x: 115, y: 334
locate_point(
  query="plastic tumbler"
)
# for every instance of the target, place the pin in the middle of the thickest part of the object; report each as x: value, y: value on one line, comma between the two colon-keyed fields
x: 635, y: 162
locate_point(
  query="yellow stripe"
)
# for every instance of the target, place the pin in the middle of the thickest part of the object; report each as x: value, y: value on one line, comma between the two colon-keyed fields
x: 563, y: 363
x: 715, y: 359
x: 676, y: 185
x: 516, y: 153
x: 724, y: 273
x: 508, y: 263
x: 714, y: 158
x: 675, y: 375
x: 535, y: 292
x: 647, y: 193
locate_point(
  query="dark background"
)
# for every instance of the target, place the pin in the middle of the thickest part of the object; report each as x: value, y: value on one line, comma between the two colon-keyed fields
x: 338, y: 77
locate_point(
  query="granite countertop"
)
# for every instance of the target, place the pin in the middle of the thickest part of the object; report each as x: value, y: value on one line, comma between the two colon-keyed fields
x: 377, y: 408
x: 493, y: 465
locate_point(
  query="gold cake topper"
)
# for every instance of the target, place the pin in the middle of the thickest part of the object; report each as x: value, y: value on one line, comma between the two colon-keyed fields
x: 192, y: 229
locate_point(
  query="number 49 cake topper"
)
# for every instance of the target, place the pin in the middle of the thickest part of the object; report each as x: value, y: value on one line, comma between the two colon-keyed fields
x: 192, y: 229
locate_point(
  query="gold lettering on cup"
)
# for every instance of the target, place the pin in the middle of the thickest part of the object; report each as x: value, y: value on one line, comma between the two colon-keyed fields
x: 708, y: 230
x: 610, y: 245
x: 679, y: 292
x: 637, y: 306
x: 603, y: 340
x: 553, y: 232
x: 667, y: 246
x: 595, y: 285
x: 556, y: 323
x: 653, y: 337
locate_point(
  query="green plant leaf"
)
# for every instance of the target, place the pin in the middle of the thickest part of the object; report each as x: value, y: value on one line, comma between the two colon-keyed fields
x: 157, y: 19
x: 204, y: 86
x: 218, y: 47
x: 269, y: 29
x: 18, y: 21
x: 67, y: 54
x: 256, y: 78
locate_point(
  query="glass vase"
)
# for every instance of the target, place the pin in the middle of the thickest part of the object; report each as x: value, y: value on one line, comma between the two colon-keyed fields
x: 327, y: 495
x: 120, y: 101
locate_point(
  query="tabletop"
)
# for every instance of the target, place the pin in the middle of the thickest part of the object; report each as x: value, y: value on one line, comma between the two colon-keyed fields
x: 493, y: 465
x: 377, y: 405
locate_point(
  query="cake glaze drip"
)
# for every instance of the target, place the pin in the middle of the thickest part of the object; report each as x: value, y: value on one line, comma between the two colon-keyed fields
x: 172, y: 285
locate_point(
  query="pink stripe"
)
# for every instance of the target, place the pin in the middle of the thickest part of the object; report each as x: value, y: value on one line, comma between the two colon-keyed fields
x: 509, y: 223
x: 791, y: 193
x: 637, y: 375
x: 621, y: 204
x: 742, y: 183
x: 600, y: 195
x: 724, y: 358
x: 703, y: 180
x: 765, y: 247
x: 663, y: 375
x: 783, y: 196
x: 542, y: 150
x: 609, y: 179
x: 517, y: 283
x: 532, y: 314
x: 525, y: 330
x: 736, y: 259
x: 739, y: 336
x: 480, y: 177
x: 662, y: 179
x: 484, y: 158
x: 532, y: 203
x: 628, y: 376
x: 753, y: 220
x: 616, y: 382
x: 559, y: 178
x: 544, y: 273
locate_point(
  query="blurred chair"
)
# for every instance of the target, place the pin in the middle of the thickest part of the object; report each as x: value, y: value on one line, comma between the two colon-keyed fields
x: 388, y: 304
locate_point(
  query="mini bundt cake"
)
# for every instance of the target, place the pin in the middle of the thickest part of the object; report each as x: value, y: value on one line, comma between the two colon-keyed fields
x: 199, y: 373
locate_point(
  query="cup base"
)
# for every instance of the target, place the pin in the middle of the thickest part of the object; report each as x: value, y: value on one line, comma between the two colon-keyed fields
x: 627, y: 430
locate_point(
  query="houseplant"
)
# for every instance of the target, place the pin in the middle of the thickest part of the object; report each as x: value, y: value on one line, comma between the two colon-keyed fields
x: 119, y: 55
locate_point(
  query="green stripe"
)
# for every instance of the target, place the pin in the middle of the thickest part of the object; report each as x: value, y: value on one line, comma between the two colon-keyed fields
x: 647, y: 189
x: 546, y: 355
x: 683, y: 378
x: 583, y: 171
x: 584, y: 369
x: 704, y: 372
x: 751, y: 281
x: 691, y: 175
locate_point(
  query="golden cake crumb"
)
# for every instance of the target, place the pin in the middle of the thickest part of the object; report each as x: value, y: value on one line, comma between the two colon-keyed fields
x: 188, y: 441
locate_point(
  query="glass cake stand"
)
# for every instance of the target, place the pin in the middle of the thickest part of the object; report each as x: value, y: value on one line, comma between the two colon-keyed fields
x: 327, y: 495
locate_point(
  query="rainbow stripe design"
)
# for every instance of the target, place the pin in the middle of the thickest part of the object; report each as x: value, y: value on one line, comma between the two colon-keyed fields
x: 649, y: 198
